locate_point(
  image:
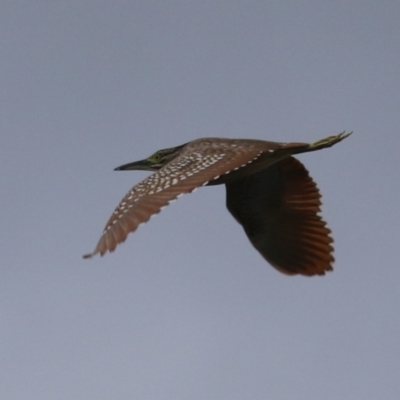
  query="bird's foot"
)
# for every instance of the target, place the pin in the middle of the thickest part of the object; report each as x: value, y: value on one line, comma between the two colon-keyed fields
x: 328, y: 141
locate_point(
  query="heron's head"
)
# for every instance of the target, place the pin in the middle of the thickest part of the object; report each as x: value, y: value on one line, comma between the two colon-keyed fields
x: 155, y: 162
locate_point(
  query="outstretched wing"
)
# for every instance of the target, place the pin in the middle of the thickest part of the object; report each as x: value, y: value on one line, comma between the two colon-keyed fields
x: 191, y: 169
x: 278, y: 208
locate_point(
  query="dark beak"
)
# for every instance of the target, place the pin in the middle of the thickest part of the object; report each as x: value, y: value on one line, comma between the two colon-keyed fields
x: 144, y: 165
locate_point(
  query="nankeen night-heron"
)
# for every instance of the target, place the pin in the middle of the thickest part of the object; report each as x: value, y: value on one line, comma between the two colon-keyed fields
x: 268, y: 192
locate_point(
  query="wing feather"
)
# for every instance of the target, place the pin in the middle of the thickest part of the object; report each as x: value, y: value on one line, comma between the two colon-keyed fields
x: 279, y: 208
x: 187, y: 172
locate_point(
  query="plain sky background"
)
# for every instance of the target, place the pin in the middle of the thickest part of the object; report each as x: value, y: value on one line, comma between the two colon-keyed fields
x: 186, y: 308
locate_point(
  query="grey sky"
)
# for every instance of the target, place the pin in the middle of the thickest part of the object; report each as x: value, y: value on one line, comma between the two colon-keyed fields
x: 186, y: 308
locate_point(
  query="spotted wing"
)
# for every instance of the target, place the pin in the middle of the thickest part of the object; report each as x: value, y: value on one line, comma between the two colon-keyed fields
x: 278, y: 208
x: 190, y: 170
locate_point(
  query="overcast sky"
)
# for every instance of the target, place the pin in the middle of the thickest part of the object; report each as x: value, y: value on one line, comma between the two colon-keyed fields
x: 186, y: 308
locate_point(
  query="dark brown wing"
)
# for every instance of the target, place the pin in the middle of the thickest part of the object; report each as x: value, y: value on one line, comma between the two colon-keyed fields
x: 194, y: 167
x: 278, y: 208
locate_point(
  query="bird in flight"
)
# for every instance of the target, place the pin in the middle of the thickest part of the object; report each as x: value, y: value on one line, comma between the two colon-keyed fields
x: 268, y: 191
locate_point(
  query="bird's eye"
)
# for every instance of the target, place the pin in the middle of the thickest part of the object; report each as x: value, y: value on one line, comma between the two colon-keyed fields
x: 156, y: 157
